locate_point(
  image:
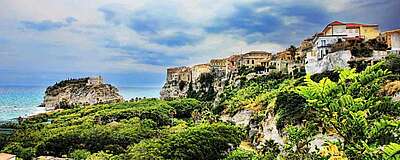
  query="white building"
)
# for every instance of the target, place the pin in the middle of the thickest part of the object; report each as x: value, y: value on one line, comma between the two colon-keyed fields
x: 322, y: 44
x: 334, y: 32
x: 339, y: 31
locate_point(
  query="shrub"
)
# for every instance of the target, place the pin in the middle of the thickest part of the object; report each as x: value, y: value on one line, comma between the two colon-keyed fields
x: 21, y: 151
x: 241, y: 154
x: 115, y: 137
x: 4, y: 138
x: 291, y: 108
x: 100, y: 156
x: 185, y: 107
x: 79, y: 154
x: 332, y: 75
x: 392, y: 63
x: 204, y: 141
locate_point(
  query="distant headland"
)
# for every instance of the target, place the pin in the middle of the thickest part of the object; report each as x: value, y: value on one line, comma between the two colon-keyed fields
x: 81, y: 91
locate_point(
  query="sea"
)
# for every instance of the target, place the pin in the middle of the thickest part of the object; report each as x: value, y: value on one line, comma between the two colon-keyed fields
x: 22, y: 101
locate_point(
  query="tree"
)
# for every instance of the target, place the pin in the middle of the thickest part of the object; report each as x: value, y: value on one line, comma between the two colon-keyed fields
x: 292, y: 49
x: 350, y: 107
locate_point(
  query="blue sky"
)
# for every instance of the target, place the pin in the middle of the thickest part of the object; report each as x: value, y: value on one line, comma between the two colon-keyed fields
x: 131, y: 43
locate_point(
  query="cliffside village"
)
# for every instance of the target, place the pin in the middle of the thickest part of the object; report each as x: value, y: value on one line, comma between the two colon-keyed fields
x: 330, y: 48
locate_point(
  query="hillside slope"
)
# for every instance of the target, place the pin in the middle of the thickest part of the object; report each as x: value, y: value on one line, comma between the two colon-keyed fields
x: 335, y: 115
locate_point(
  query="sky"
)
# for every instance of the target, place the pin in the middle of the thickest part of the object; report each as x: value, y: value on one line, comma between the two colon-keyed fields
x: 132, y: 42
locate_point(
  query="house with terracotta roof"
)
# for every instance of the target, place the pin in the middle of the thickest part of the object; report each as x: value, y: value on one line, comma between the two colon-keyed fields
x: 6, y: 156
x: 351, y: 30
x: 337, y: 31
x: 255, y: 58
x: 233, y: 62
x: 280, y: 62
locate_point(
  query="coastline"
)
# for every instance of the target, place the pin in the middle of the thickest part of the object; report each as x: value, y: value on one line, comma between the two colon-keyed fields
x: 38, y: 111
x: 25, y: 101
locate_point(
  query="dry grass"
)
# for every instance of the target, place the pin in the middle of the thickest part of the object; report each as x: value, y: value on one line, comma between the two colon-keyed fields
x: 390, y: 89
x: 246, y: 146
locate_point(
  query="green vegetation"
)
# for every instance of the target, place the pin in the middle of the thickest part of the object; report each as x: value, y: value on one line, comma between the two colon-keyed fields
x: 344, y: 103
x: 117, y: 131
x: 205, y: 141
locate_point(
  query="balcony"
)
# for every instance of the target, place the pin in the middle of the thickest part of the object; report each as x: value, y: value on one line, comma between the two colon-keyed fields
x: 324, y: 46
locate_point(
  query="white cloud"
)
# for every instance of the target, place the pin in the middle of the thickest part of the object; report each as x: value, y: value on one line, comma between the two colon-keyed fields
x: 81, y: 46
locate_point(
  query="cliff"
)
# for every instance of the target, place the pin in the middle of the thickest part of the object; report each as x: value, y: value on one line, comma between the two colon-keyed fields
x: 174, y: 89
x: 340, y: 59
x: 83, y: 91
x: 205, y: 87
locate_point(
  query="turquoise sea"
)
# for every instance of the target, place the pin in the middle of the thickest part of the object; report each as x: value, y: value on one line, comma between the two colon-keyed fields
x: 16, y: 101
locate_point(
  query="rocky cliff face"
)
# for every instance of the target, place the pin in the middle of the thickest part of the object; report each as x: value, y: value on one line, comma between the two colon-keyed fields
x: 329, y: 62
x: 174, y: 89
x: 83, y: 91
x: 339, y: 59
x: 205, y: 88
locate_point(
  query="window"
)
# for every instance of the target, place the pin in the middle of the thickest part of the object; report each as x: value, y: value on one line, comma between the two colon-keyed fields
x: 252, y: 61
x: 248, y: 61
x: 323, y: 42
x: 320, y: 54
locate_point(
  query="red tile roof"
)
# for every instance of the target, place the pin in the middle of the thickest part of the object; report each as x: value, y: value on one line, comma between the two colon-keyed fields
x: 335, y: 23
x: 348, y: 25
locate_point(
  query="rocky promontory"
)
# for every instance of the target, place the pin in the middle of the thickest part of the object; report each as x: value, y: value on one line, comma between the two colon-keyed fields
x: 82, y: 91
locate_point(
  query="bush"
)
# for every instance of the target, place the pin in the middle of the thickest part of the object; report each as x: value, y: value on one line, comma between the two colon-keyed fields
x: 332, y: 75
x: 115, y: 137
x: 291, y: 108
x: 241, y: 154
x: 4, y: 138
x: 185, y: 107
x: 204, y: 141
x: 79, y: 154
x: 19, y: 150
x: 100, y: 156
x: 392, y: 63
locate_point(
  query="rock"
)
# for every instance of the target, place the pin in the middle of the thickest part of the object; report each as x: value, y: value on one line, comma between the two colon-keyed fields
x: 242, y: 118
x: 321, y: 139
x: 396, y: 96
x: 83, y: 91
x: 51, y: 158
x: 339, y: 59
x: 206, y: 87
x: 253, y: 129
x: 174, y: 89
x: 329, y: 62
x: 269, y: 130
